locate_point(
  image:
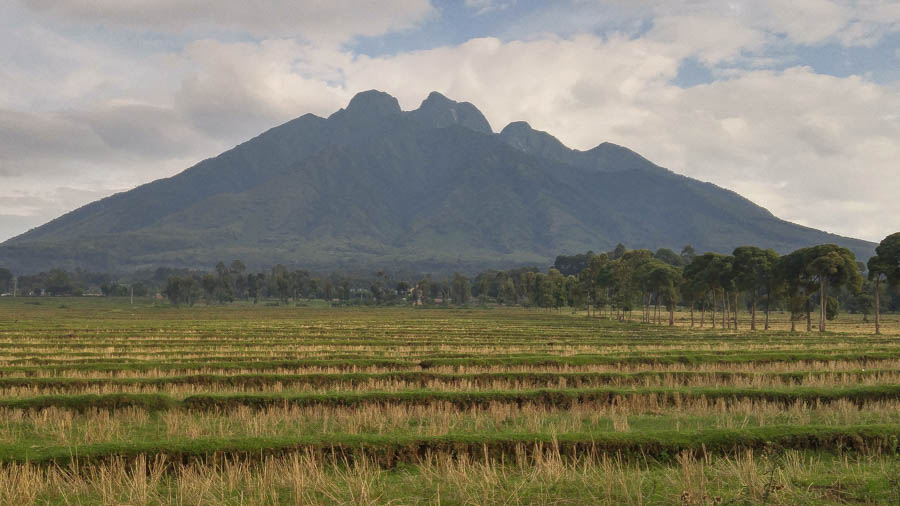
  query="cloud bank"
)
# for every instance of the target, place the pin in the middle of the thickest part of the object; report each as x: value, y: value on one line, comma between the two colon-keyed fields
x: 86, y: 115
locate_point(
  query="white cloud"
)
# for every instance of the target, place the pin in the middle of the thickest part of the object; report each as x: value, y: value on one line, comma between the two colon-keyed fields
x: 710, y: 39
x: 97, y: 118
x: 239, y: 89
x: 735, y: 24
x: 120, y: 134
x: 787, y: 139
x: 804, y: 22
x: 22, y: 210
x: 485, y: 6
x: 332, y: 20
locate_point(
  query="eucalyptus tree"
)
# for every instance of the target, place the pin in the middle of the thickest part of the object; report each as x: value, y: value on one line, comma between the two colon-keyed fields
x: 687, y: 254
x: 725, y: 270
x: 884, y: 266
x: 668, y: 256
x: 558, y: 290
x: 834, y: 266
x: 507, y: 292
x: 754, y: 270
x: 596, y: 280
x: 693, y: 290
x: 665, y: 280
x: 697, y: 276
x: 712, y: 271
x: 460, y: 289
x: 791, y: 271
x: 641, y: 280
x: 625, y: 283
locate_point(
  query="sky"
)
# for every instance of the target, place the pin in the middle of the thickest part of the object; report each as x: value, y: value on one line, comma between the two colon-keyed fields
x: 793, y: 104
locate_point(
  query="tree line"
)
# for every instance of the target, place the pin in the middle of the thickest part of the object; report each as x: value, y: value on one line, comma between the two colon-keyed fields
x: 713, y: 284
x: 713, y: 287
x: 233, y: 282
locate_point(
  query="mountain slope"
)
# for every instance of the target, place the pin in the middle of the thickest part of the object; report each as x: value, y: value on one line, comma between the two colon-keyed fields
x: 433, y: 189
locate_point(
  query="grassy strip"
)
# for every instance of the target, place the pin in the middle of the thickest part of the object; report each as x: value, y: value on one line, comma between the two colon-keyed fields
x: 391, y: 450
x: 263, y: 353
x: 150, y: 402
x: 423, y: 378
x: 501, y: 360
x: 557, y: 398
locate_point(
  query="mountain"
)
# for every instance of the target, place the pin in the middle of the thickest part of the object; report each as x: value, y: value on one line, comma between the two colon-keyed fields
x: 433, y: 189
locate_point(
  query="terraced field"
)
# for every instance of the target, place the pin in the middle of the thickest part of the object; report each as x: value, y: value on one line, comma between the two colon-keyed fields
x: 103, y: 402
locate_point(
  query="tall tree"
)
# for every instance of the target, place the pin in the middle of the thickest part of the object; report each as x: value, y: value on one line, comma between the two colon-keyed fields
x: 665, y: 279
x: 255, y: 283
x: 595, y: 281
x: 626, y: 288
x: 725, y: 270
x: 792, y: 273
x: 460, y: 289
x: 182, y: 290
x: 753, y: 270
x: 558, y: 291
x: 709, y: 270
x: 668, y: 256
x: 693, y: 290
x: 831, y: 266
x: 238, y: 279
x: 884, y: 266
x: 571, y: 265
x: 507, y: 292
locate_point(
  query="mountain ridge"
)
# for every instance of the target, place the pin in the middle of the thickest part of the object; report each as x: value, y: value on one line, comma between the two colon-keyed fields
x: 373, y: 185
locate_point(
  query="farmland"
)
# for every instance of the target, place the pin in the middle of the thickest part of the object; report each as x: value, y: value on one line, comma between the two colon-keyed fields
x: 106, y: 402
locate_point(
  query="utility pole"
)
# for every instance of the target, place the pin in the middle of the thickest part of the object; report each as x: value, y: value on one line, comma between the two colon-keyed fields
x: 132, y: 294
x: 15, y: 286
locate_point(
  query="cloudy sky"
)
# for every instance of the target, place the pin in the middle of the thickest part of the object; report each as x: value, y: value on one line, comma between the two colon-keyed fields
x: 794, y: 104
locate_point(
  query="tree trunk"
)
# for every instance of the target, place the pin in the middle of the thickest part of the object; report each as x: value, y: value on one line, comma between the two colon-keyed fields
x: 672, y: 315
x: 645, y: 317
x: 736, y: 310
x: 725, y: 309
x: 702, y: 311
x: 823, y: 302
x: 768, y: 296
x: 692, y: 314
x: 877, y: 304
x: 753, y: 311
x: 658, y: 315
x: 808, y: 314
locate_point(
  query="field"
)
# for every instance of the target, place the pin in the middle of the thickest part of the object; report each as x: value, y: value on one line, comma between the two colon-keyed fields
x: 102, y: 402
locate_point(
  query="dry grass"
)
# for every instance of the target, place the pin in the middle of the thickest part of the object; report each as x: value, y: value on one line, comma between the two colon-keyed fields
x: 747, y: 478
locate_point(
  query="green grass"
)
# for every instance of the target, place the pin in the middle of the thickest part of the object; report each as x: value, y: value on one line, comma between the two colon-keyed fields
x: 555, y: 398
x: 391, y: 450
x: 325, y: 380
